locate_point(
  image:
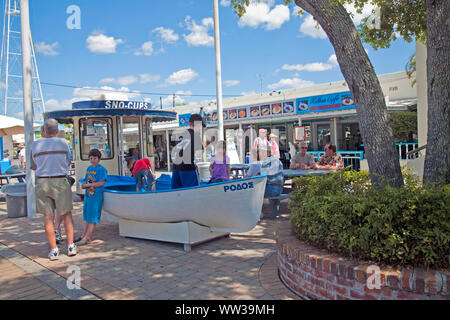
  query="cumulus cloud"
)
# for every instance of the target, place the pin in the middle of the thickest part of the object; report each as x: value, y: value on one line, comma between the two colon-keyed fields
x: 181, y: 77
x: 248, y: 93
x: 130, y: 79
x: 100, y: 43
x: 168, y: 35
x: 147, y: 77
x: 198, y: 35
x: 311, y: 28
x: 225, y: 3
x: 54, y: 104
x: 333, y: 60
x: 310, y: 67
x: 231, y: 83
x: 104, y: 92
x: 262, y: 14
x: 124, y: 81
x: 146, y: 49
x: 46, y: 49
x: 168, y: 101
x: 290, y: 83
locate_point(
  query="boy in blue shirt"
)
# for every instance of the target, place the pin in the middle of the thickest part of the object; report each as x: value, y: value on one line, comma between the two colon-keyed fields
x: 93, y: 199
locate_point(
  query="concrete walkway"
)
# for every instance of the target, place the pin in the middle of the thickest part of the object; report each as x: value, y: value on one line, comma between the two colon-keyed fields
x: 242, y: 266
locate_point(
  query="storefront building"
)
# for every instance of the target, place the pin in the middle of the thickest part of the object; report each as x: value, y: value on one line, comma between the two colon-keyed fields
x: 318, y: 114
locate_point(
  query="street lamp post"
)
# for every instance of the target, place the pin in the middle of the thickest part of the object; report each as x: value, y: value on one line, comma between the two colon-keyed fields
x: 27, y: 103
x: 218, y: 70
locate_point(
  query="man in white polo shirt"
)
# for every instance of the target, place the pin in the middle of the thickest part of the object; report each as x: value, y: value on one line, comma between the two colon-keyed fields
x: 50, y: 157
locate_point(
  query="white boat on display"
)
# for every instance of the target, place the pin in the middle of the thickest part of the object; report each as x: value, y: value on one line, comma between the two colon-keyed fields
x: 188, y: 215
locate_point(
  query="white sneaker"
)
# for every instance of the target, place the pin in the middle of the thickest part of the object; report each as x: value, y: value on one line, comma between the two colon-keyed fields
x: 53, y: 255
x: 72, y: 250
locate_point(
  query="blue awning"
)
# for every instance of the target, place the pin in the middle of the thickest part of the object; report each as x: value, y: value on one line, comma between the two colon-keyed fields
x: 65, y: 116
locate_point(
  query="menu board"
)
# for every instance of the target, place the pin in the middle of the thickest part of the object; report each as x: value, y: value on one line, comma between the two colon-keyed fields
x: 326, y: 102
x: 265, y: 110
x: 276, y: 108
x: 254, y: 111
x: 232, y: 114
x: 242, y: 113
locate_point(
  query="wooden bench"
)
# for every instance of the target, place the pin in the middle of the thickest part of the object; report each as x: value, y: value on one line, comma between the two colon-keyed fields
x: 275, y: 202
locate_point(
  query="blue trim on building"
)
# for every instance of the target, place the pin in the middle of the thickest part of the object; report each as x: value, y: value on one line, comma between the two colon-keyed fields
x: 157, y: 115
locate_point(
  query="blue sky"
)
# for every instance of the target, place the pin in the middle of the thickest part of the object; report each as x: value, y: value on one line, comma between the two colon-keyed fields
x: 167, y: 47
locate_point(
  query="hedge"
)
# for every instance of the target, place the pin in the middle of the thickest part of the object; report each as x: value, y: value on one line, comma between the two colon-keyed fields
x: 344, y: 214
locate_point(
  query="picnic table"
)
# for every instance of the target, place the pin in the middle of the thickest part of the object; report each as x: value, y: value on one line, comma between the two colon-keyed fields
x: 290, y: 173
x: 8, y: 177
x: 238, y: 167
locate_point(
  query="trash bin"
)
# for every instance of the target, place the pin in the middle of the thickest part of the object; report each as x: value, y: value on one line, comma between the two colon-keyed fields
x: 16, y: 199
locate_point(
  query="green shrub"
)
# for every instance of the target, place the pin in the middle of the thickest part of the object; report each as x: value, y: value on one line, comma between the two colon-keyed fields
x: 343, y: 213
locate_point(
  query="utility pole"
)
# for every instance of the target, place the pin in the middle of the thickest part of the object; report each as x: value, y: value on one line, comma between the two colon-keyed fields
x: 160, y: 103
x: 173, y: 101
x: 218, y: 70
x: 27, y: 102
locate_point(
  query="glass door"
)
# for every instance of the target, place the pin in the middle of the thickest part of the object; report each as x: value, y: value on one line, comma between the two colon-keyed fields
x: 323, y: 136
x: 132, y: 150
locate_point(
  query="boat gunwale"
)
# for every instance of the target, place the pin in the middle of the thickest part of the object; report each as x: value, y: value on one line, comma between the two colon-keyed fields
x: 181, y: 189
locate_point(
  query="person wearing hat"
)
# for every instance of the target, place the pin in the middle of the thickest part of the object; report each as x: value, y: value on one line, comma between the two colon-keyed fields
x: 185, y: 173
x: 274, y: 145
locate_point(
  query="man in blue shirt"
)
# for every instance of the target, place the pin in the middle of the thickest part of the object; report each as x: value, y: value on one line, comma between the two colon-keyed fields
x: 184, y: 173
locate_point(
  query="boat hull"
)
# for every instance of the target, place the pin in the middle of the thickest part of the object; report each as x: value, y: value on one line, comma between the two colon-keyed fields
x: 232, y: 206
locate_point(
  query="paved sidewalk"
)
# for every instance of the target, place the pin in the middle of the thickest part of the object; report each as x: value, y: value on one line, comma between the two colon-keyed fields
x: 242, y: 266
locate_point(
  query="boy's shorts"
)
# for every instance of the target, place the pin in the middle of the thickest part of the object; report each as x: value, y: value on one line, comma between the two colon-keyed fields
x: 53, y: 195
x: 144, y: 178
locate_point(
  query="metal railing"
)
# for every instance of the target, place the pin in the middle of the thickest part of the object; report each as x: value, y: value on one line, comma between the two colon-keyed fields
x: 351, y: 158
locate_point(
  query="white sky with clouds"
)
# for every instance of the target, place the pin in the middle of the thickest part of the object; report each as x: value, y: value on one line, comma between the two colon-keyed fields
x: 150, y: 47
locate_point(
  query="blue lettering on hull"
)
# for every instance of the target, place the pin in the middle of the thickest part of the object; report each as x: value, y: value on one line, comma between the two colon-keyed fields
x: 239, y: 186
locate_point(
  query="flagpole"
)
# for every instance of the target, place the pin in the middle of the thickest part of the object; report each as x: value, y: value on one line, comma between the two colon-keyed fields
x: 218, y: 71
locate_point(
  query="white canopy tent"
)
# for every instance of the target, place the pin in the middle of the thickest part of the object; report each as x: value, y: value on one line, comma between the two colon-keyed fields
x: 10, y: 126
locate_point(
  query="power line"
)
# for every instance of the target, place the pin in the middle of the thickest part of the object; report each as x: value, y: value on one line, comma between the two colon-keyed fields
x: 134, y: 91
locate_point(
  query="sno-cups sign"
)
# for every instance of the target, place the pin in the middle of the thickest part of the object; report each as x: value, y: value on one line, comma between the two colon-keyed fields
x: 112, y: 104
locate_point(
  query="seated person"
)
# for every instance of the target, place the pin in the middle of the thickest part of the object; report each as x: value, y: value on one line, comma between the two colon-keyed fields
x: 254, y: 168
x: 133, y: 157
x: 330, y: 160
x: 273, y: 168
x: 302, y: 160
x: 220, y: 164
x: 144, y: 176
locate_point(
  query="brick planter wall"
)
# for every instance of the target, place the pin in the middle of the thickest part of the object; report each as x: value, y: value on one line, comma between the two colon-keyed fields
x: 316, y: 274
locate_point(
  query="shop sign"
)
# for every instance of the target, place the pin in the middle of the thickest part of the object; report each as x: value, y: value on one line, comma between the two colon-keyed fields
x: 325, y: 102
x: 183, y: 119
x: 112, y: 104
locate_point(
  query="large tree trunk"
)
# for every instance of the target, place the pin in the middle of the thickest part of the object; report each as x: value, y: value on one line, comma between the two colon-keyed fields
x: 437, y: 159
x: 358, y: 71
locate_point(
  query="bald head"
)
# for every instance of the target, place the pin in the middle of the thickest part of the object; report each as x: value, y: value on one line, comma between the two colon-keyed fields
x: 51, y: 127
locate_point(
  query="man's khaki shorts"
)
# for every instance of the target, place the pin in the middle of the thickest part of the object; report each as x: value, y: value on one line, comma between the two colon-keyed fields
x: 53, y: 194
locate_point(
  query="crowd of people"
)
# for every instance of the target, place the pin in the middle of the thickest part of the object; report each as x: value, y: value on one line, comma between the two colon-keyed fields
x: 50, y: 158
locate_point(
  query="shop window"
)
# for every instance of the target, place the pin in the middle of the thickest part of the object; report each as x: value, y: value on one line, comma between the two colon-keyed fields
x: 323, y: 136
x: 96, y: 133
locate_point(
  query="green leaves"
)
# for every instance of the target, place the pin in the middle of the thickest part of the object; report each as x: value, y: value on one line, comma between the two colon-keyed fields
x: 343, y: 213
